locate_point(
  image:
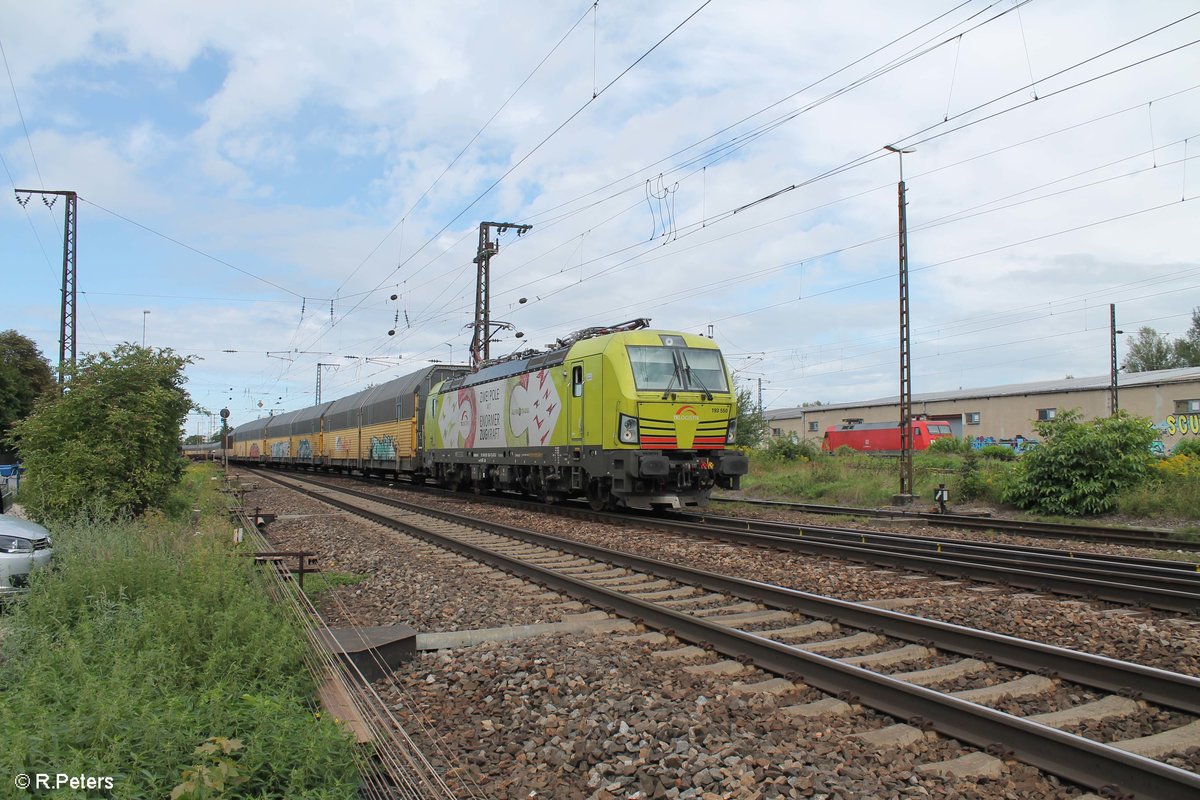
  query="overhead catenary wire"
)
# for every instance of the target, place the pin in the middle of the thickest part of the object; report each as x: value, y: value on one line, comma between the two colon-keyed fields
x: 440, y: 317
x: 591, y: 8
x: 868, y: 158
x: 535, y: 149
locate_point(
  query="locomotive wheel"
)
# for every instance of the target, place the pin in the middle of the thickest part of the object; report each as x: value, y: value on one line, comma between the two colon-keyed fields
x: 599, y: 498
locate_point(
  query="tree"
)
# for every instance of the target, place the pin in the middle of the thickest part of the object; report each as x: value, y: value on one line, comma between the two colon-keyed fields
x: 110, y: 445
x: 1149, y: 350
x: 1187, y: 347
x: 195, y: 438
x: 1080, y: 466
x: 751, y: 424
x: 25, y: 376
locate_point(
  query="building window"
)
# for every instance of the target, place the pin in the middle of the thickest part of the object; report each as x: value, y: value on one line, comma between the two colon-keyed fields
x: 813, y: 427
x: 777, y: 432
x: 1047, y: 413
x: 972, y: 417
x: 1187, y: 406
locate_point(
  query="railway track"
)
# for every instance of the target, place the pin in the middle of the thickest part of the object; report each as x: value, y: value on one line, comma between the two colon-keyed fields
x: 1156, y: 583
x: 789, y: 633
x: 1107, y: 534
x: 1162, y: 584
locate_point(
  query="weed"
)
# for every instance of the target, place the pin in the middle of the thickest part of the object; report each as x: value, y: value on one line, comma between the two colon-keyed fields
x: 148, y: 638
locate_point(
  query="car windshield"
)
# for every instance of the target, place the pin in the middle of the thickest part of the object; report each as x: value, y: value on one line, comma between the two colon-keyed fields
x: 680, y: 369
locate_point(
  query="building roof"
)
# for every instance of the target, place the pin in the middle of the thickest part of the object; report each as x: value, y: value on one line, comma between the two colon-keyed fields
x: 1098, y: 382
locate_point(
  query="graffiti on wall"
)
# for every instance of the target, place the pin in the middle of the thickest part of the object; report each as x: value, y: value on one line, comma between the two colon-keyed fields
x: 281, y: 449
x: 383, y: 448
x: 1018, y: 444
x: 304, y: 449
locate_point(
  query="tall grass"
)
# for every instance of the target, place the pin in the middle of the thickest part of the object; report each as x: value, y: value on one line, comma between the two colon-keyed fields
x: 144, y: 641
x: 855, y: 479
x: 1172, y: 491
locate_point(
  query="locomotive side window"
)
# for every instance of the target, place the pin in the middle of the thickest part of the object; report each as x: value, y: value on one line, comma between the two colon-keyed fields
x: 577, y: 381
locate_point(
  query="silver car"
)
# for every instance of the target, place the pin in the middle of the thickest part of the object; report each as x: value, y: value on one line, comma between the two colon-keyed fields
x: 24, y: 545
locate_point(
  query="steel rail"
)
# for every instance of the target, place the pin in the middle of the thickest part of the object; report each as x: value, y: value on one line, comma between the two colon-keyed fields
x: 1186, y: 570
x: 1072, y: 757
x: 1062, y: 582
x: 1134, y: 537
x: 851, y: 545
x: 1160, y: 686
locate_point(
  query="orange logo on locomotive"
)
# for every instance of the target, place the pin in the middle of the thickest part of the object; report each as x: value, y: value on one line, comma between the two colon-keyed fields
x: 686, y: 413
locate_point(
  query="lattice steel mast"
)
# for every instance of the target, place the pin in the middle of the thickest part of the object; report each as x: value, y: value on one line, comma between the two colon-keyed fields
x: 66, y: 337
x: 905, y: 496
x: 481, y: 349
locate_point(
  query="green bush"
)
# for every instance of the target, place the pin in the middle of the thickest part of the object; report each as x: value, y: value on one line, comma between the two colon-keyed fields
x: 1081, y: 466
x: 109, y: 447
x: 997, y: 452
x: 949, y: 445
x: 784, y: 448
x: 1188, y: 446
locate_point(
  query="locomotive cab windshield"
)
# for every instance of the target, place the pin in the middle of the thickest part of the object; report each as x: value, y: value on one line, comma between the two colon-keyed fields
x: 675, y: 368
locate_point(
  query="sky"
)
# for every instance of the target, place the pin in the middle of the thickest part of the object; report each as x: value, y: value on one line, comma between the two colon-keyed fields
x: 281, y: 189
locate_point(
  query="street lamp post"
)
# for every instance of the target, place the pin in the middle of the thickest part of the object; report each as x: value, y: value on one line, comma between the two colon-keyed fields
x: 144, y: 315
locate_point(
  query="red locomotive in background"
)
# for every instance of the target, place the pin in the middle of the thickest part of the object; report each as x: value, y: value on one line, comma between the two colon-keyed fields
x: 883, y: 437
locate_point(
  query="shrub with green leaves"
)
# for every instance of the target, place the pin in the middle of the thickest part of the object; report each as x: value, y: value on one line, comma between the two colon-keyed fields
x: 109, y: 447
x: 1187, y: 446
x: 997, y: 452
x: 948, y: 445
x: 1082, y: 465
x: 784, y: 448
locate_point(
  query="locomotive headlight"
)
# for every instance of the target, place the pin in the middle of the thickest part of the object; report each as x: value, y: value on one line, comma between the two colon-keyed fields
x: 731, y: 436
x: 627, y: 429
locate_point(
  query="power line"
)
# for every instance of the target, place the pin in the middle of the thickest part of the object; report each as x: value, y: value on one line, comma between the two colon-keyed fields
x: 467, y: 146
x: 198, y: 251
x: 526, y: 157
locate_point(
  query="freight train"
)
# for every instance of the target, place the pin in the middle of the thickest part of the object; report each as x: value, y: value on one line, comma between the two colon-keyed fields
x: 883, y: 437
x: 624, y: 416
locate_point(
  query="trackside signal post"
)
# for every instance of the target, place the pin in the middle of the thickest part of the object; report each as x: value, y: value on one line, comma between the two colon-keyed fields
x: 66, y: 338
x: 905, y: 497
x: 481, y: 345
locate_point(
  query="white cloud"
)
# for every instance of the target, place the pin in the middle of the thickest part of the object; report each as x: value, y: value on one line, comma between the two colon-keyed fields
x: 310, y: 129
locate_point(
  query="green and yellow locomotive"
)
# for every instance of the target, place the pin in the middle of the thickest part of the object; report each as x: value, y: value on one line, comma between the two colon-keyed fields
x: 623, y: 415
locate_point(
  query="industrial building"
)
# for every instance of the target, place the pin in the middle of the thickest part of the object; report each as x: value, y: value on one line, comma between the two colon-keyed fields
x: 1169, y: 397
